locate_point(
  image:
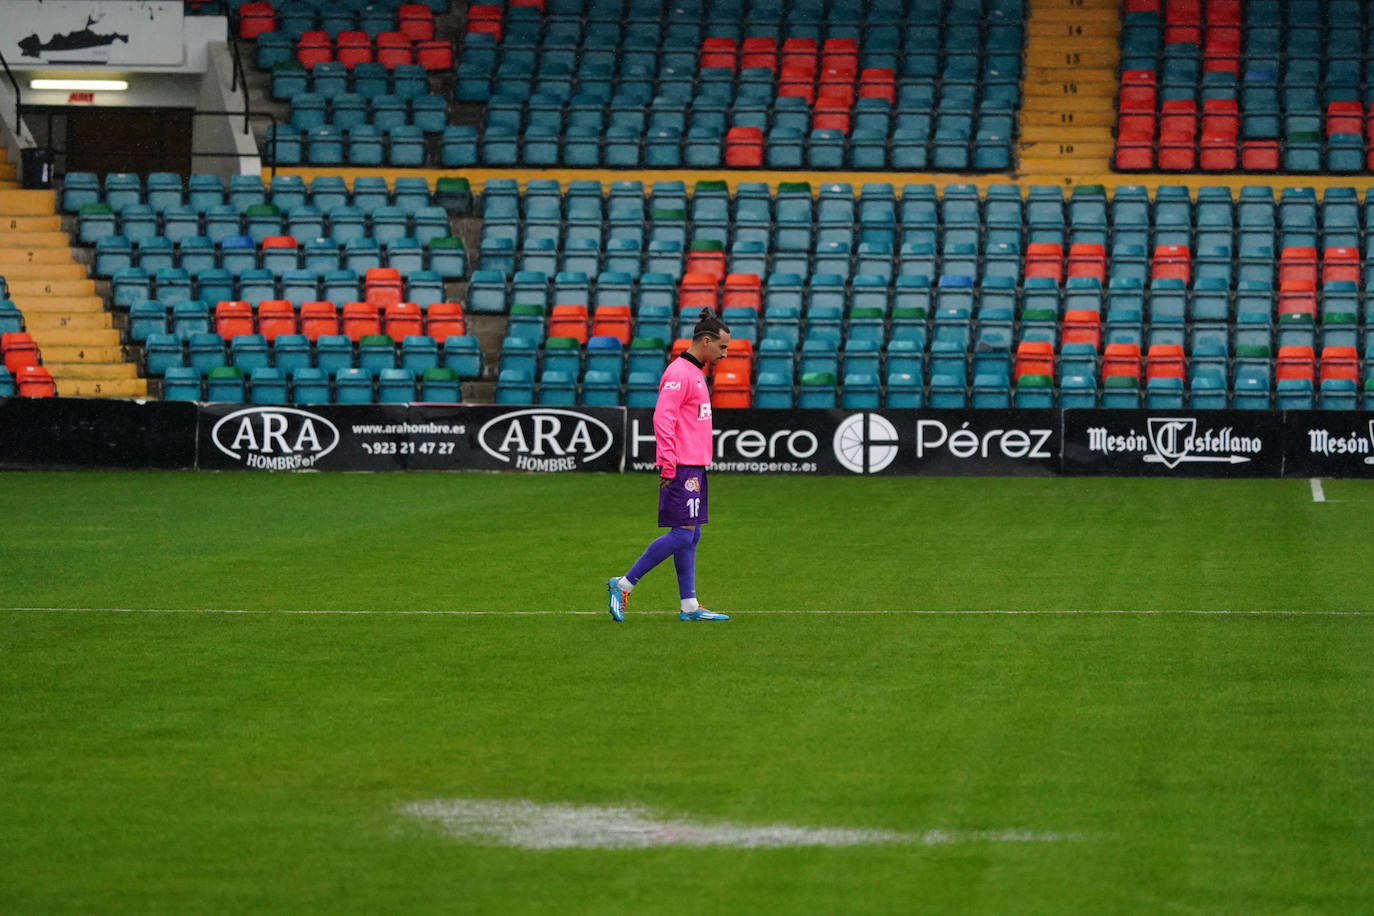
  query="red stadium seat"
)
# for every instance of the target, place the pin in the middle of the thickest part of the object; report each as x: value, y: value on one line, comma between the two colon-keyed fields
x: 698, y: 291
x: 730, y: 388
x: 1178, y: 116
x: 707, y: 262
x: 831, y: 113
x: 1121, y: 359
x: 1340, y: 362
x: 1262, y: 155
x: 434, y: 54
x: 319, y: 318
x: 255, y: 19
x: 359, y: 320
x: 415, y: 21
x: 1033, y: 357
x: 1295, y: 362
x: 233, y: 318
x: 1083, y: 326
x: 276, y: 317
x: 17, y: 350
x: 1172, y: 262
x: 800, y: 52
x: 314, y: 47
x: 759, y: 53
x: 352, y: 48
x: 1088, y: 259
x: 739, y: 359
x: 1298, y: 263
x: 569, y: 321
x: 742, y: 291
x: 1341, y: 263
x: 394, y: 49
x: 719, y: 53
x: 444, y: 320
x: 744, y: 147
x: 1165, y: 361
x: 34, y: 382
x: 402, y: 320
x: 1297, y: 297
x: 1135, y: 150
x: 1045, y: 259
x: 1177, y: 151
x: 382, y: 285
x: 613, y: 321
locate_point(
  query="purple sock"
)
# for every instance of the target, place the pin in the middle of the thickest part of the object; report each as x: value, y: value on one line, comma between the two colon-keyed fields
x: 664, y: 546
x: 686, y: 562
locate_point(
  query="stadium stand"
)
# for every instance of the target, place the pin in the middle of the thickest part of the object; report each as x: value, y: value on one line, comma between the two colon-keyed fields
x: 934, y: 283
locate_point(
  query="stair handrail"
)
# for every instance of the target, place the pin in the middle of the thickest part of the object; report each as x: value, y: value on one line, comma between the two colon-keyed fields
x: 18, y: 98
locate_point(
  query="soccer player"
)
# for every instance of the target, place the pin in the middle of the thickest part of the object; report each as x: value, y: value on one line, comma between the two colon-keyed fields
x: 682, y: 435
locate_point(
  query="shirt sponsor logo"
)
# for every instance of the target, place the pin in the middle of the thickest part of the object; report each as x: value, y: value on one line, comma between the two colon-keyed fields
x: 275, y: 438
x: 672, y: 386
x: 545, y: 439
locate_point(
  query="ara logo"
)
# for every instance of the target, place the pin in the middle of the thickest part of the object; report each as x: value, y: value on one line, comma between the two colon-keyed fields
x: 865, y: 443
x: 275, y: 438
x: 1172, y: 441
x: 545, y: 439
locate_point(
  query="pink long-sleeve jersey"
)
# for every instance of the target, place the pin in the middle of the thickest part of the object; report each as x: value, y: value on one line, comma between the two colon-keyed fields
x: 682, y: 417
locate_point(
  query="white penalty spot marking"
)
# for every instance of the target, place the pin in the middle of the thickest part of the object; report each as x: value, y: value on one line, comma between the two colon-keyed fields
x: 522, y: 824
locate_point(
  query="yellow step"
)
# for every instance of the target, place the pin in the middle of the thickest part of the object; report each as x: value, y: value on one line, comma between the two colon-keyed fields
x: 1068, y: 89
x: 1083, y: 76
x: 1059, y: 168
x: 14, y: 238
x: 12, y: 258
x: 38, y: 303
x: 7, y: 171
x: 28, y: 203
x: 54, y: 320
x: 95, y: 371
x: 1063, y: 118
x: 98, y: 355
x: 102, y: 388
x: 1084, y: 24
x: 27, y: 224
x: 1066, y: 148
x: 51, y: 288
x: 77, y: 338
x: 44, y: 272
x: 1059, y: 134
x: 1060, y: 54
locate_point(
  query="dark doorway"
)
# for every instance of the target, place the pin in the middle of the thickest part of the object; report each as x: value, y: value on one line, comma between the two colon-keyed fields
x: 102, y: 140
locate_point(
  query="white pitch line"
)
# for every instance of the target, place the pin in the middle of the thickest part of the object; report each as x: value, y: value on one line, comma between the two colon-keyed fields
x: 986, y: 612
x: 1318, y: 495
x: 522, y: 824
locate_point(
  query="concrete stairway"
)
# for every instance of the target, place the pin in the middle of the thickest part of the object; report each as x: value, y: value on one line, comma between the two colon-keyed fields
x: 76, y: 335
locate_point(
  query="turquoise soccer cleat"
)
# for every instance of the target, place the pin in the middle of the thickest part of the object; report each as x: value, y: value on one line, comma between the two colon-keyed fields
x: 701, y: 614
x: 617, y: 599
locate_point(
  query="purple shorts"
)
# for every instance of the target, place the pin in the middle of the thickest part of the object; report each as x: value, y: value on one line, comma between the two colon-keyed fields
x: 683, y: 502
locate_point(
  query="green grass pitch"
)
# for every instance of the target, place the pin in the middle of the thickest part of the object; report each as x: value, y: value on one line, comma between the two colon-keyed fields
x: 1211, y: 758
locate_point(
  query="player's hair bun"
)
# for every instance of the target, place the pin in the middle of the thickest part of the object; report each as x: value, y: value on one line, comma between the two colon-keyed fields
x: 705, y: 315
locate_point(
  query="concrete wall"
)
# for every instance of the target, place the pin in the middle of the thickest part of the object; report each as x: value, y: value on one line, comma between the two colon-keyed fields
x: 223, y: 134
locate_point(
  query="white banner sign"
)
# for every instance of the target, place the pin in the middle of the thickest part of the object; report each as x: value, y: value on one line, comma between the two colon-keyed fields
x: 116, y: 33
